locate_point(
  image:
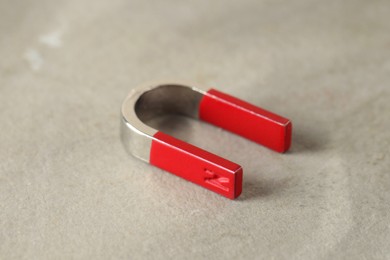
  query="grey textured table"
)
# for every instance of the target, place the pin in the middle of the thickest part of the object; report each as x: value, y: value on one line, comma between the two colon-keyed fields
x: 68, y: 190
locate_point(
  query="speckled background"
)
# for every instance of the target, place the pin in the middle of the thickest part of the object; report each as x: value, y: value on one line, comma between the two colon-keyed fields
x: 68, y: 190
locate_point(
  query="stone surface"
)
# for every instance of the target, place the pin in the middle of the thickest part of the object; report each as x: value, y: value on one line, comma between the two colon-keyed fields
x: 68, y: 190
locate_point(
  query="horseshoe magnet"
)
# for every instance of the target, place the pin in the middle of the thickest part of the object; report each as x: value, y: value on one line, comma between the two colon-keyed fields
x: 188, y: 161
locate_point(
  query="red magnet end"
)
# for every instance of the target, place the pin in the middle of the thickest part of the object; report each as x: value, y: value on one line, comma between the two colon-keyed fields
x: 247, y: 120
x: 197, y: 165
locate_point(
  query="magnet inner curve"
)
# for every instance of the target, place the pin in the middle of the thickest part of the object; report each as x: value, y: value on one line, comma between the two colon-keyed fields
x: 188, y: 161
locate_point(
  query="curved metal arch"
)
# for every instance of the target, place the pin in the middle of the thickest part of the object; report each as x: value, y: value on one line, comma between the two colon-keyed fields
x: 151, y: 100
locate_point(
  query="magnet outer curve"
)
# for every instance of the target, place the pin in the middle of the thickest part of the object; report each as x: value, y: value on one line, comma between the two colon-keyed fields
x: 188, y: 161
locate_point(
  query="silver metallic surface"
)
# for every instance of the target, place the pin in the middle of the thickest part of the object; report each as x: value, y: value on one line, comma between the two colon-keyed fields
x: 153, y: 100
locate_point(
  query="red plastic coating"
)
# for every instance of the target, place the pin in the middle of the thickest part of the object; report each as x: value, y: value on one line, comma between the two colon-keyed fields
x: 194, y: 164
x: 247, y: 120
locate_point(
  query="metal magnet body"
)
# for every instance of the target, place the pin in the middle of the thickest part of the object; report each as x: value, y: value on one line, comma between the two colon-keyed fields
x: 188, y: 161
